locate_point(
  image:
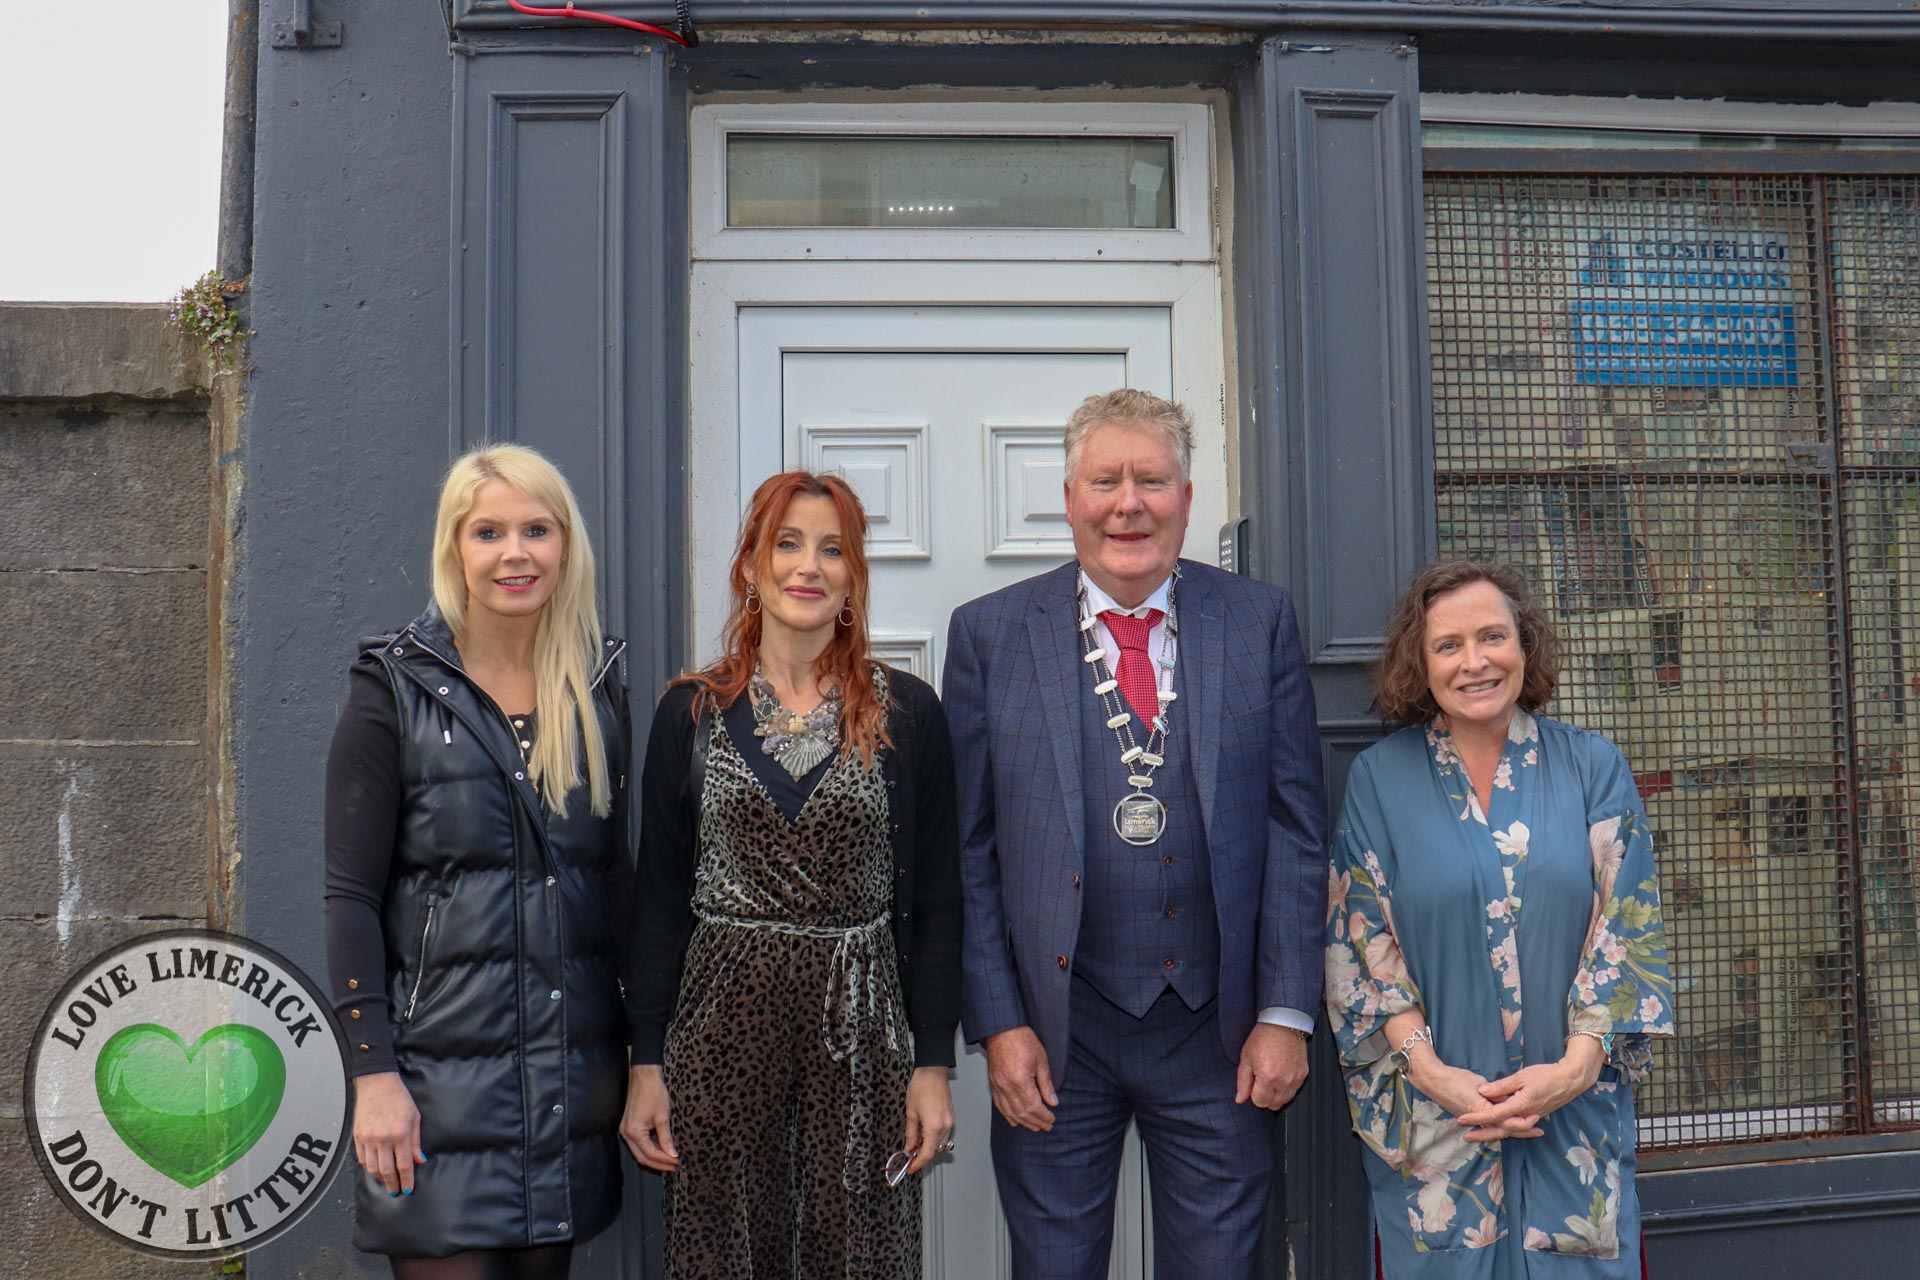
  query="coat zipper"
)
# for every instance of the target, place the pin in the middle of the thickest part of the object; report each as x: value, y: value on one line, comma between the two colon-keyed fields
x: 420, y: 973
x: 607, y: 666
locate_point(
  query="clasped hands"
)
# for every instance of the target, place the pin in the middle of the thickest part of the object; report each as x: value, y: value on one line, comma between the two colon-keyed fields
x: 1513, y: 1105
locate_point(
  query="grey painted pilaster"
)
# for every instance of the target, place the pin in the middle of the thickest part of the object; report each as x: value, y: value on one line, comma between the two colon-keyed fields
x: 1336, y: 443
x: 341, y: 451
x: 567, y: 323
x: 1336, y: 424
x: 416, y: 289
x: 568, y: 320
x: 567, y: 317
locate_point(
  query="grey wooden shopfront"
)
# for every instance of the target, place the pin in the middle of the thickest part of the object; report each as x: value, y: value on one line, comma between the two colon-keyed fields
x: 423, y: 278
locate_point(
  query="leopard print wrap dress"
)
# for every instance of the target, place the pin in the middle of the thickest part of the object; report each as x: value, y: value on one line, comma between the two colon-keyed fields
x: 788, y: 1056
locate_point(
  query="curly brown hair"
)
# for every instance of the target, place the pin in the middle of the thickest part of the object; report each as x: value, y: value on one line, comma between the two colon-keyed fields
x: 1400, y: 686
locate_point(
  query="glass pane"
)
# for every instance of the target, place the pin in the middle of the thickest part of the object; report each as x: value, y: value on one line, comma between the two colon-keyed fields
x: 1883, y: 609
x: 1876, y: 343
x: 786, y: 180
x: 1621, y: 366
x: 1876, y: 318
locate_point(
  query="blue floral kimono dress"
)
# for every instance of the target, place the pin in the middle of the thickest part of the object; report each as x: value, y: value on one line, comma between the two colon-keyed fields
x: 1509, y: 930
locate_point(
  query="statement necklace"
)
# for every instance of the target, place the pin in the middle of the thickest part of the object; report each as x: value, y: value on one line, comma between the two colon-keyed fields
x: 796, y: 742
x: 1139, y: 817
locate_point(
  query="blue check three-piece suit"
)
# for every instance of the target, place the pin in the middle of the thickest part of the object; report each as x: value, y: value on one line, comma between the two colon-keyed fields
x: 1140, y: 968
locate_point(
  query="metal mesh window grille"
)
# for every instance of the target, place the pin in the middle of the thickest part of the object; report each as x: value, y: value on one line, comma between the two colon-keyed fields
x: 1689, y: 407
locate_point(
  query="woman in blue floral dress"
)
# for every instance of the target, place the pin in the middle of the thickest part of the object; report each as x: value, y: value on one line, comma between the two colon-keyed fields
x: 1495, y: 958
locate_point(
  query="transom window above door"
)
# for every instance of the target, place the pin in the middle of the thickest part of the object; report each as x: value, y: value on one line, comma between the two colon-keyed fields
x: 1068, y: 182
x: 806, y: 180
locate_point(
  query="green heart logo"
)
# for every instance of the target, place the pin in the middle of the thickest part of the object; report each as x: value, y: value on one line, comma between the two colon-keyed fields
x: 190, y: 1112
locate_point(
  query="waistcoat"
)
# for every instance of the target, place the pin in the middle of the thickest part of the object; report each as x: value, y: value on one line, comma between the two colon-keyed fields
x: 1147, y: 917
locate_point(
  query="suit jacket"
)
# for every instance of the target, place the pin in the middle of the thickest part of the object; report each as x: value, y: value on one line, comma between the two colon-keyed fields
x: 1014, y: 681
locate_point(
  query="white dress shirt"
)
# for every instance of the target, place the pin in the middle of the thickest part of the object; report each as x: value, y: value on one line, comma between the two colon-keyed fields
x: 1099, y: 602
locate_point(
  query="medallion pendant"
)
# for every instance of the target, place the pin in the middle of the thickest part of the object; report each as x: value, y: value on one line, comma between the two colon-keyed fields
x: 1139, y: 818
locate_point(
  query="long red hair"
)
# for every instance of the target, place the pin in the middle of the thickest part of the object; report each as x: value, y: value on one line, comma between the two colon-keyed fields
x: 863, y: 717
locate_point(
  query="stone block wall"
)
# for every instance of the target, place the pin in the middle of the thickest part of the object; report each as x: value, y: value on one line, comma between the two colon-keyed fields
x: 105, y: 544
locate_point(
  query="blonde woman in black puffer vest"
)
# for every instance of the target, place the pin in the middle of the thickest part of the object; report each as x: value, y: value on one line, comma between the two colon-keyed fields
x: 476, y: 839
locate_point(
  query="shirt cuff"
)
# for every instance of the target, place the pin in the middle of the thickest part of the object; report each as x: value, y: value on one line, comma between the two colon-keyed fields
x: 1281, y: 1016
x: 363, y: 1015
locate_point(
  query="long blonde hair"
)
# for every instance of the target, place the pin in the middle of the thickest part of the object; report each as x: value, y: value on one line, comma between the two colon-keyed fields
x: 566, y: 645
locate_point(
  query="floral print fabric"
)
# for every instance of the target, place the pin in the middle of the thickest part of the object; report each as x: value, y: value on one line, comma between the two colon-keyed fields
x: 1509, y: 929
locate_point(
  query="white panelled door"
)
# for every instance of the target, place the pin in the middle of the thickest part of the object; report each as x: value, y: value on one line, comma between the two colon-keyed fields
x: 955, y: 450
x: 947, y: 421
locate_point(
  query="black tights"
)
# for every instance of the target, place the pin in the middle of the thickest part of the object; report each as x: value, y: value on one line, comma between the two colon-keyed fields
x: 550, y: 1262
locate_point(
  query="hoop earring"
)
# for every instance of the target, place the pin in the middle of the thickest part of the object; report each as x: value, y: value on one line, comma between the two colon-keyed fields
x: 753, y: 599
x: 846, y: 613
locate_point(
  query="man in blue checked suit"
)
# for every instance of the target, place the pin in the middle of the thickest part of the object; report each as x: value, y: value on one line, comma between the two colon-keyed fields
x: 1143, y: 846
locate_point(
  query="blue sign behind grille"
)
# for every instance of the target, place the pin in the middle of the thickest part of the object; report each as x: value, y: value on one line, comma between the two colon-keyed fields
x: 1700, y: 344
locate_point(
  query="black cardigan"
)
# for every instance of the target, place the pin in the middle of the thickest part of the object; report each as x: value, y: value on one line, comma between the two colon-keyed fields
x: 926, y: 860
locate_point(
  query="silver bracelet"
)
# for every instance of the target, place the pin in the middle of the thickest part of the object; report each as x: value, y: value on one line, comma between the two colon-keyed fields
x: 1604, y: 1037
x: 1399, y: 1058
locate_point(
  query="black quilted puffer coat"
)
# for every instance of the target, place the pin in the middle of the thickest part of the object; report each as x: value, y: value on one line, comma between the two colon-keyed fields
x: 507, y: 1019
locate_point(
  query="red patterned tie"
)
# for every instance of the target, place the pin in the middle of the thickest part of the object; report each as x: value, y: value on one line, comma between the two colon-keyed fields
x: 1135, y: 672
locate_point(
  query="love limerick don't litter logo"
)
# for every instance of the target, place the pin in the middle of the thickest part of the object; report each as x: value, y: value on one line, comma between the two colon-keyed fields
x: 187, y: 1093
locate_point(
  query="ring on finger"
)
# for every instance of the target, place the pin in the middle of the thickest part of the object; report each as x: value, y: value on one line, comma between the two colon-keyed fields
x: 945, y: 1148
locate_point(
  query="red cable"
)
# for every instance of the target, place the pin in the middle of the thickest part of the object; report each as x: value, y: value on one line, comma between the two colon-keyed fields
x: 588, y: 14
